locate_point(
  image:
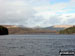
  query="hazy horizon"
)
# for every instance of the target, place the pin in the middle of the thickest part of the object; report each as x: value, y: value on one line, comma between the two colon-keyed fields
x: 32, y: 13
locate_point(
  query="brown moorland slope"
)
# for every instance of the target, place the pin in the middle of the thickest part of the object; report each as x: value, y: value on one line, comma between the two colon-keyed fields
x: 23, y: 30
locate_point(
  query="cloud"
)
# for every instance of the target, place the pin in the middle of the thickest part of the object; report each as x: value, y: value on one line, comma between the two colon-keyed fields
x: 15, y: 12
x: 33, y: 13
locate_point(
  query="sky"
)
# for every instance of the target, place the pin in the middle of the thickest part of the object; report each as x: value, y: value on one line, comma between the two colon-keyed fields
x: 33, y: 13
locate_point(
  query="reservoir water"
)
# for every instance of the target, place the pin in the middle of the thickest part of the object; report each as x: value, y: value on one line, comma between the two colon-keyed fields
x: 35, y: 45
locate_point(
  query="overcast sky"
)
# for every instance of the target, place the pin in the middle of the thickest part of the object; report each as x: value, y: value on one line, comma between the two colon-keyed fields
x: 32, y: 13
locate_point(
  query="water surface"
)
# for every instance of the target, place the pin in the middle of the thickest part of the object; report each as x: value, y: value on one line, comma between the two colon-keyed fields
x: 35, y: 45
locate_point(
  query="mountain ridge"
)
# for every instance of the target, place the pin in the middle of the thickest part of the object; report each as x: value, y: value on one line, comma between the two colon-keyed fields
x: 24, y: 30
x: 15, y: 29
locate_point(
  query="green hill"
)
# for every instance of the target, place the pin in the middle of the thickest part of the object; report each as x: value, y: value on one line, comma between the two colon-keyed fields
x: 70, y: 30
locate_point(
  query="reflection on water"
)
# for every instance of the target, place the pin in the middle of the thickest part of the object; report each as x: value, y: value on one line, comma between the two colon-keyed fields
x: 35, y: 45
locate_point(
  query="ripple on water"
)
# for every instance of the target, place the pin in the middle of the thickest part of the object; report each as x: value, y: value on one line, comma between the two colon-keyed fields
x: 35, y: 45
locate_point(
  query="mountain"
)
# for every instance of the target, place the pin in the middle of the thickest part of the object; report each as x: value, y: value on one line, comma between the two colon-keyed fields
x: 62, y: 26
x: 13, y: 29
x: 24, y: 30
x: 10, y: 26
x: 58, y: 27
x: 53, y: 28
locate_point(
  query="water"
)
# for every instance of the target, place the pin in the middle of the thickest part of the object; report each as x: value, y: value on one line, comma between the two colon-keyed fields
x: 35, y: 45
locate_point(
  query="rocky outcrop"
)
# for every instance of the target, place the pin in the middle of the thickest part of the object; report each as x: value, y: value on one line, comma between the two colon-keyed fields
x: 3, y: 30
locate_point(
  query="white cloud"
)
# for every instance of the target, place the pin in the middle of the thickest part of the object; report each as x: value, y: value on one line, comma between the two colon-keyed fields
x: 16, y: 12
x: 35, y: 12
x: 48, y: 11
x: 67, y: 17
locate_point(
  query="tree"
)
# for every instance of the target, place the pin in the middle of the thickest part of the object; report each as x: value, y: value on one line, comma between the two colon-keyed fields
x: 3, y: 30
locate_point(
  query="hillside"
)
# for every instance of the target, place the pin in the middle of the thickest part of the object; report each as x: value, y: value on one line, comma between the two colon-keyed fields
x: 62, y: 26
x: 70, y: 30
x: 12, y: 29
x: 53, y: 28
x: 58, y: 27
x: 24, y: 30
